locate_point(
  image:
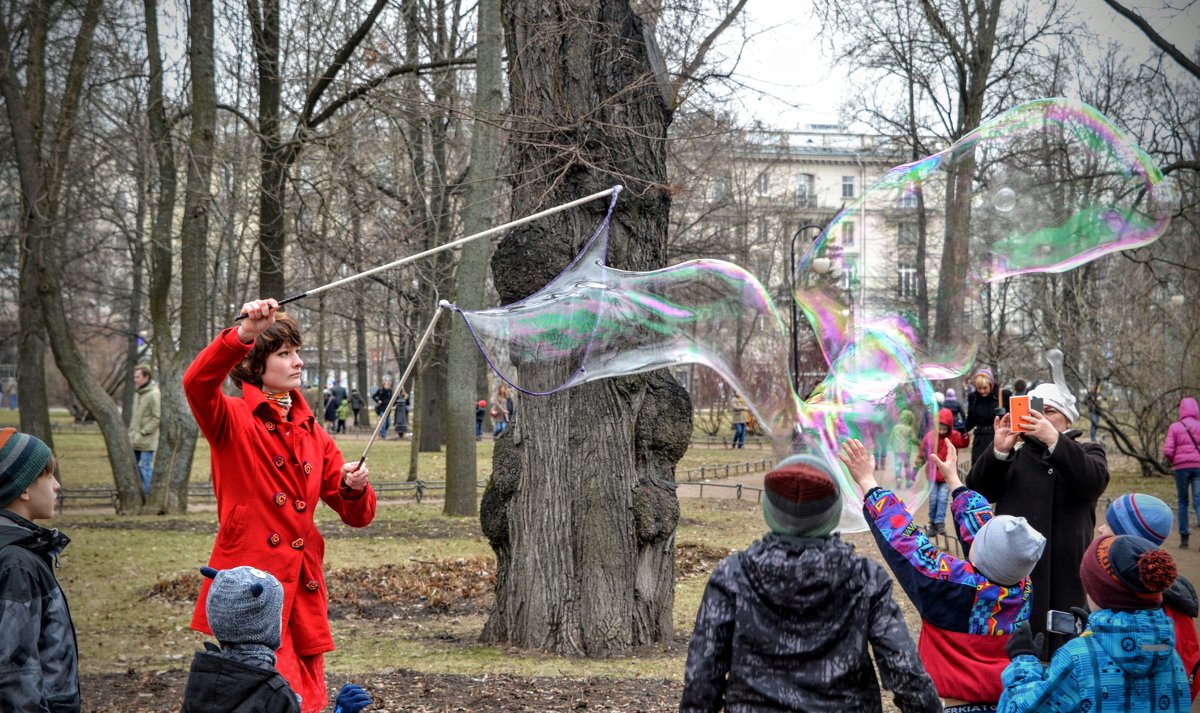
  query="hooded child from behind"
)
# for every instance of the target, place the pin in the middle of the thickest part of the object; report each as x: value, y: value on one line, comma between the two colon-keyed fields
x: 787, y: 623
x: 1125, y: 658
x: 245, y: 611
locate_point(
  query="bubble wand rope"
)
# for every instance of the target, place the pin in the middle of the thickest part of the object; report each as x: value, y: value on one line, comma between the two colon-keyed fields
x: 442, y: 305
x: 448, y: 246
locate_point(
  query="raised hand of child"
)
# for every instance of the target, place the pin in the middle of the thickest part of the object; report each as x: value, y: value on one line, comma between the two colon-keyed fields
x: 351, y: 699
x: 860, y: 462
x: 949, y: 467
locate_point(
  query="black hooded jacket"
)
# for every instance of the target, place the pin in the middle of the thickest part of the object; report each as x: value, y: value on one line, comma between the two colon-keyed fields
x: 221, y: 684
x: 785, y: 626
x: 39, y: 659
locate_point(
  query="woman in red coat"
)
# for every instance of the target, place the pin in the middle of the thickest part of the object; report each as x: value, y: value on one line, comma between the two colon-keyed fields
x: 271, y: 461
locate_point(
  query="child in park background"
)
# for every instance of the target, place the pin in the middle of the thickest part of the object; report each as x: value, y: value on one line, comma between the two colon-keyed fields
x: 968, y: 608
x: 1125, y: 659
x: 1148, y: 517
x: 787, y: 623
x: 939, y: 443
x: 39, y: 659
x: 905, y: 445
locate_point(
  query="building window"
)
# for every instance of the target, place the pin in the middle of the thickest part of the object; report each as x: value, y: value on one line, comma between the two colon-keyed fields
x: 763, y: 184
x: 908, y: 199
x: 906, y: 282
x: 762, y: 229
x: 906, y: 234
x: 847, y: 232
x: 805, y: 193
x: 721, y: 187
x: 847, y: 186
x: 850, y: 277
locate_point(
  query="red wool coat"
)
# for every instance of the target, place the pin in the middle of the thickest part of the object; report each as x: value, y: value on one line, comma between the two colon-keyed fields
x: 267, y: 475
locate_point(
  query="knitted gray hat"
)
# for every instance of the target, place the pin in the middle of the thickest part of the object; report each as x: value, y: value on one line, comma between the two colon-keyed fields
x: 1006, y: 549
x: 244, y: 606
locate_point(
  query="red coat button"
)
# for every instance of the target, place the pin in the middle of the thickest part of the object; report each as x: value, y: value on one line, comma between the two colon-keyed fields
x: 307, y: 467
x: 312, y: 585
x: 298, y: 543
x: 280, y: 499
x: 270, y: 425
x: 273, y: 540
x: 300, y: 505
x: 278, y: 461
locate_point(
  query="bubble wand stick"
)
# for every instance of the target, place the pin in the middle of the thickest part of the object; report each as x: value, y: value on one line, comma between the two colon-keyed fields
x: 443, y: 304
x: 448, y: 246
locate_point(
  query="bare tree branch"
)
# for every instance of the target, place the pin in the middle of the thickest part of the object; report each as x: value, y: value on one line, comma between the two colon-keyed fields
x: 1152, y: 35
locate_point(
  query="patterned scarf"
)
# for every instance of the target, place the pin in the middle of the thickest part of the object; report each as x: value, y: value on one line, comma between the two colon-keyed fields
x: 281, y: 399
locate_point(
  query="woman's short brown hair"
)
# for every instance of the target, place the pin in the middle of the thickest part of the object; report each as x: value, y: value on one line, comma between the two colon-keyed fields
x: 284, y: 333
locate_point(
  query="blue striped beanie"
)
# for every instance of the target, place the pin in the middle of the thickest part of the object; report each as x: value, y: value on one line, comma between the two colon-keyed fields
x: 22, y: 459
x: 1142, y: 515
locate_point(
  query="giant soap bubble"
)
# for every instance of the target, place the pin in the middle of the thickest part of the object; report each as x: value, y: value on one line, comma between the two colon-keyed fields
x: 1045, y: 187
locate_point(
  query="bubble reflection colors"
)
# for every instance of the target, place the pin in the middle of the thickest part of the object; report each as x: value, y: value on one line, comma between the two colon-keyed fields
x: 1044, y: 187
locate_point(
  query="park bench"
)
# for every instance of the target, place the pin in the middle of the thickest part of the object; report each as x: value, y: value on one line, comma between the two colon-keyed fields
x: 89, y: 495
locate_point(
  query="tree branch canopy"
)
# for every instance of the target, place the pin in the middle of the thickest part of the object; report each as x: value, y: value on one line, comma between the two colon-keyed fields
x: 1152, y: 34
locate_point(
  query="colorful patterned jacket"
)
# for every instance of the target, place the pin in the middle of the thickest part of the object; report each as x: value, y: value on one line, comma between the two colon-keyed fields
x: 966, y: 618
x: 1123, y: 661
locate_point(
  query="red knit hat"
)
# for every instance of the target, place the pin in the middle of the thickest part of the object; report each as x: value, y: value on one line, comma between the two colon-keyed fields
x: 1126, y: 572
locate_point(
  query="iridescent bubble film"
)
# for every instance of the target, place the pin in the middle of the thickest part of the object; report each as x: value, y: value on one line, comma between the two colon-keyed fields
x: 1045, y: 187
x: 594, y: 322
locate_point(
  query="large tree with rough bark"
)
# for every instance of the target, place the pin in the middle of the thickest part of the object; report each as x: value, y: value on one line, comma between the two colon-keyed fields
x: 581, y: 509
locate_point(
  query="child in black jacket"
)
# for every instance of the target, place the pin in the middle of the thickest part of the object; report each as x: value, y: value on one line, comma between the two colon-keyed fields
x: 39, y: 659
x: 245, y: 609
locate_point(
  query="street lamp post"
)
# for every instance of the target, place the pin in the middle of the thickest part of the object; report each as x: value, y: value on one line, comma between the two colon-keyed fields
x: 795, y: 344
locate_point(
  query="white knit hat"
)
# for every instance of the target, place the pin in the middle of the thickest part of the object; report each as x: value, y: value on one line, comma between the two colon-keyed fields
x: 1051, y: 396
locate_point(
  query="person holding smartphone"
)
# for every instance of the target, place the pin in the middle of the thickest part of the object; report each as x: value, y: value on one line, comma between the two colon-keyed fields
x: 1047, y: 476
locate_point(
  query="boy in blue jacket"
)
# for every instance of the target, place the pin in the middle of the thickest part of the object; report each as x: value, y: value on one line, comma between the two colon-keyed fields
x: 1125, y: 659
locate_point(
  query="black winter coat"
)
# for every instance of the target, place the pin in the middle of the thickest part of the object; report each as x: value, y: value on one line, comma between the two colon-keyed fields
x: 219, y: 684
x: 39, y: 659
x: 785, y: 626
x: 1057, y: 493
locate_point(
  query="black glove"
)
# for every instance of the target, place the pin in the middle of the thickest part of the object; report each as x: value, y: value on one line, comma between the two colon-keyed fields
x: 351, y: 699
x: 1023, y: 641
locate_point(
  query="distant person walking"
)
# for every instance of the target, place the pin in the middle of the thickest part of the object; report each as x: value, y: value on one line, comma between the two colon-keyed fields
x: 401, y: 415
x: 144, y: 422
x: 1182, y: 451
x: 738, y: 408
x: 983, y: 407
x: 343, y: 414
x: 382, y: 397
x: 10, y: 392
x: 499, y: 411
x: 480, y: 412
x: 357, y: 404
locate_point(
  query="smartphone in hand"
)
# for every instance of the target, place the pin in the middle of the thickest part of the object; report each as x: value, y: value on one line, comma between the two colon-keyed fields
x: 1063, y: 622
x: 1020, y: 406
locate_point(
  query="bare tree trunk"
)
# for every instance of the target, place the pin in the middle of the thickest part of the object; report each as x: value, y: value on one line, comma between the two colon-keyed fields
x: 581, y: 510
x: 41, y: 182
x: 178, y: 432
x: 34, y: 404
x: 471, y: 277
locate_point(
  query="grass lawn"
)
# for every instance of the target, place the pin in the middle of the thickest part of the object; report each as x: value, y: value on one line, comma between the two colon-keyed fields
x: 114, y: 563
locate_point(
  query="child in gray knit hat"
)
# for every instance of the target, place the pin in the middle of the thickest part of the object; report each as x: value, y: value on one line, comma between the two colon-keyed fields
x: 969, y: 607
x: 245, y: 611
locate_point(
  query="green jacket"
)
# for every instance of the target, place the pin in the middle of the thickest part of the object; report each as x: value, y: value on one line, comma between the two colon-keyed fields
x: 343, y: 410
x: 143, y: 426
